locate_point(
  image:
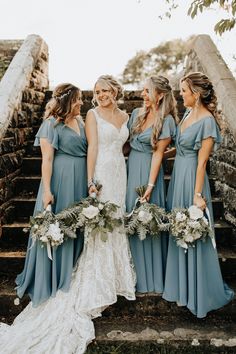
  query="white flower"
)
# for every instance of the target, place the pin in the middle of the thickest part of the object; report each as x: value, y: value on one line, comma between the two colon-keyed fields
x: 44, y: 238
x: 189, y: 238
x: 197, y: 235
x: 35, y: 227
x: 16, y: 301
x: 90, y: 212
x: 54, y: 232
x: 205, y: 220
x: 100, y: 206
x: 180, y: 216
x: 182, y: 244
x: 194, y: 224
x: 195, y: 212
x: 144, y: 217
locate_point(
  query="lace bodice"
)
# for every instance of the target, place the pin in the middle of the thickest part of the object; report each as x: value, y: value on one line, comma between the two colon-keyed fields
x: 110, y: 165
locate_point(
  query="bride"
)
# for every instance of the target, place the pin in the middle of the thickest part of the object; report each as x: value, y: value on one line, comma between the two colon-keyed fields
x: 63, y: 325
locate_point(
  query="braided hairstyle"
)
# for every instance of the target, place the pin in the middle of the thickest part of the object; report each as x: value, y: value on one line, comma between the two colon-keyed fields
x: 114, y: 85
x: 165, y: 106
x: 60, y: 105
x: 200, y: 83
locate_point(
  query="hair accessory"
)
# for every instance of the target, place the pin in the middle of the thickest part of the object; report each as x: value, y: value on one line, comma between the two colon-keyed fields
x: 64, y: 95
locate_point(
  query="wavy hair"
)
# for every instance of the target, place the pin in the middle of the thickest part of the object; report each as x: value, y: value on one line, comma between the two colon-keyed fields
x: 200, y: 83
x: 114, y: 85
x: 60, y: 105
x: 165, y: 106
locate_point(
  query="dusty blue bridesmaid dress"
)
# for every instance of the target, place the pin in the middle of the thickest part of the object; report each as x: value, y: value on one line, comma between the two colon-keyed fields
x: 41, y: 277
x: 150, y: 254
x: 193, y: 279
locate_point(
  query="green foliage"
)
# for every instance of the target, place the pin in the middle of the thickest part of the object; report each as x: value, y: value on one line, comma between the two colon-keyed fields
x: 164, y: 59
x: 198, y: 6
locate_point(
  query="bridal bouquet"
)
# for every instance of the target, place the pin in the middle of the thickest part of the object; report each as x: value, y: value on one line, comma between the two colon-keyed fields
x: 98, y: 218
x: 50, y: 230
x: 146, y: 218
x: 189, y: 225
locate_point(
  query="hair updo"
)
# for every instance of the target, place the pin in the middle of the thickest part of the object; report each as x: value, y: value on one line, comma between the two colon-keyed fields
x: 60, y: 105
x: 200, y: 83
x: 114, y: 85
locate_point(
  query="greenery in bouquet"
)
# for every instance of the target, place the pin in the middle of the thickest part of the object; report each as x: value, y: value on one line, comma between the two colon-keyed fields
x: 189, y: 225
x: 49, y: 228
x: 146, y: 218
x: 99, y: 218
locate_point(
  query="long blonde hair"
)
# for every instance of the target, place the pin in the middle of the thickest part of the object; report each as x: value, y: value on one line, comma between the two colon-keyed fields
x: 60, y: 105
x: 166, y: 105
x: 200, y: 83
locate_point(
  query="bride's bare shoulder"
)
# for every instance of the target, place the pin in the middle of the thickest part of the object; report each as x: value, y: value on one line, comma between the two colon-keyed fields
x: 123, y: 115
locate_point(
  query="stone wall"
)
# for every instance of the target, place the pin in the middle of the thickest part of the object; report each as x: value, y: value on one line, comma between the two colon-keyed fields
x: 205, y: 57
x: 7, y: 51
x: 22, y: 94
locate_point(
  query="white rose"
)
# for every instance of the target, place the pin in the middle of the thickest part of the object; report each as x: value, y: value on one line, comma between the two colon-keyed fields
x: 144, y: 216
x: 194, y: 224
x: 100, y: 206
x: 44, y: 239
x: 54, y: 232
x: 205, y: 220
x: 180, y: 216
x: 189, y: 238
x: 195, y: 212
x: 90, y: 212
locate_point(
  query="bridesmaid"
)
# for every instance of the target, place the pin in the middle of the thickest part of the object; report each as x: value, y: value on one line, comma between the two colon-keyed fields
x: 151, y: 130
x: 64, y: 181
x: 194, y: 279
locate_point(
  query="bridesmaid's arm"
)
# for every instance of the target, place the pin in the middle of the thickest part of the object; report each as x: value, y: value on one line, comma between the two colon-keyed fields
x: 46, y: 168
x: 203, y: 156
x: 92, y: 137
x: 157, y: 157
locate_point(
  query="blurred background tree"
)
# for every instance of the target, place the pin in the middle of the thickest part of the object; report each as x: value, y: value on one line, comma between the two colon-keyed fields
x: 165, y: 59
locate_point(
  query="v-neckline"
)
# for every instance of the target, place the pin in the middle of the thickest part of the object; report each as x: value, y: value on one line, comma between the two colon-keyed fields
x: 182, y: 132
x: 79, y: 134
x: 104, y: 120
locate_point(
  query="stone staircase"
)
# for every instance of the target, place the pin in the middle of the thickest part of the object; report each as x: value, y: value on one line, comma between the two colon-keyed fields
x: 147, y: 325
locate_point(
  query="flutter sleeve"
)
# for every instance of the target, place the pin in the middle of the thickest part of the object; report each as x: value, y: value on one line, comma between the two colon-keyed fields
x: 48, y: 131
x: 168, y: 129
x: 208, y: 128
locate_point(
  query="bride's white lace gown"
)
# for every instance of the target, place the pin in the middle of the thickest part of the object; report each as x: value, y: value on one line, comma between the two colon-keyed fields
x: 63, y: 325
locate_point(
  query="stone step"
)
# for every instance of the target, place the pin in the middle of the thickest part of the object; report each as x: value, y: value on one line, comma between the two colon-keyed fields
x: 28, y: 185
x: 148, y: 325
x: 157, y: 336
x: 12, y: 262
x: 23, y: 206
x: 145, y: 305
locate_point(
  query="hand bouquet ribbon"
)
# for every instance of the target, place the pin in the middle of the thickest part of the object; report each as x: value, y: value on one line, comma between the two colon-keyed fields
x: 145, y: 218
x: 189, y: 225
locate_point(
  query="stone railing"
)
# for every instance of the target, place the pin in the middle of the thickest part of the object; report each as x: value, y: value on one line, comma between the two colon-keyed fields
x: 205, y: 57
x: 8, y: 50
x: 22, y: 93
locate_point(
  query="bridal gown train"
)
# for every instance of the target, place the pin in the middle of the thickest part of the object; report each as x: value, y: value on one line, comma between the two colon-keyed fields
x: 63, y: 324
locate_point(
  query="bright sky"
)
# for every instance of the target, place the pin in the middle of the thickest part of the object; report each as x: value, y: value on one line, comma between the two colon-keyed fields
x: 88, y: 38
